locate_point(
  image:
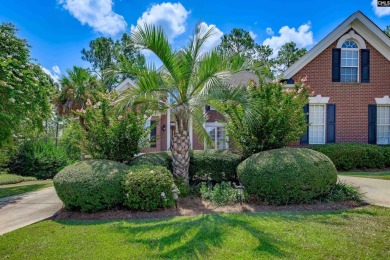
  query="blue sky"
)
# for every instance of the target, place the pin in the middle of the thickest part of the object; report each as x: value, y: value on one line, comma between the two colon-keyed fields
x: 58, y: 30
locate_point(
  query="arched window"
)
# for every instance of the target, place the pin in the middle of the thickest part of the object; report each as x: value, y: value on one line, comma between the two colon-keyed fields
x: 349, y: 61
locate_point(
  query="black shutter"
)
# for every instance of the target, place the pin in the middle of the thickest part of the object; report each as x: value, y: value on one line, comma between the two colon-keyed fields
x: 372, y: 124
x: 207, y: 108
x: 336, y: 64
x: 365, y: 65
x: 331, y: 123
x: 305, y: 137
x: 153, y: 134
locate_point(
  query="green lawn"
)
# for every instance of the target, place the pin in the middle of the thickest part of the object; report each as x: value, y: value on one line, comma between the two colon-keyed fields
x: 15, y: 189
x: 13, y: 178
x: 373, y: 175
x: 360, y: 233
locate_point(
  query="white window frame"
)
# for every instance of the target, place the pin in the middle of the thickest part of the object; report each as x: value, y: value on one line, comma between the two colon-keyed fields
x: 378, y: 125
x: 322, y: 101
x: 323, y: 124
x: 216, y: 125
x: 346, y: 50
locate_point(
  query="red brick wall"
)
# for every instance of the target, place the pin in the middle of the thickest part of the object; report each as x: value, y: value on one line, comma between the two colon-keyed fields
x: 351, y: 99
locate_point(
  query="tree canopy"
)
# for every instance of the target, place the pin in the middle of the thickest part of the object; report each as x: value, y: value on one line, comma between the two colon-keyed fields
x: 104, y: 52
x: 288, y: 54
x: 25, y: 90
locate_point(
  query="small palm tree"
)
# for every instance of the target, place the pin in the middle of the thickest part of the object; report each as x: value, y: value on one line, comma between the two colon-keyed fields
x: 180, y: 86
x: 76, y: 88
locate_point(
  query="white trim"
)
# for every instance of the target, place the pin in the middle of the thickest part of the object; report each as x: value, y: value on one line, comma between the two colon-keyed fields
x: 126, y: 84
x: 352, y: 36
x: 324, y: 122
x: 383, y: 101
x: 358, y: 21
x: 318, y: 100
x: 191, y: 133
x: 288, y: 86
x: 168, y: 129
x: 215, y: 124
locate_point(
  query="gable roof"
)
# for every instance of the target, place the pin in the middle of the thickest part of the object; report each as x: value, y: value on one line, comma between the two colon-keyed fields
x: 357, y: 21
x: 126, y: 84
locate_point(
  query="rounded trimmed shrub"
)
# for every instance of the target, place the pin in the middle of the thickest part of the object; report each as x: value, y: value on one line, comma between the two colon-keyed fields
x: 288, y: 175
x: 213, y: 165
x: 349, y: 156
x: 153, y: 159
x: 91, y: 185
x: 144, y: 185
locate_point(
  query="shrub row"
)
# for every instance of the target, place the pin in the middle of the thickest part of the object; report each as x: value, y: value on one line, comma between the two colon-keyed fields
x: 209, y: 165
x: 349, y: 156
x: 102, y: 184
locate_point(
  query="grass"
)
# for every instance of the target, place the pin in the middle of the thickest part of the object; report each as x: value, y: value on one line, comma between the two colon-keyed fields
x: 372, y: 175
x: 360, y: 233
x: 15, y: 189
x: 13, y: 178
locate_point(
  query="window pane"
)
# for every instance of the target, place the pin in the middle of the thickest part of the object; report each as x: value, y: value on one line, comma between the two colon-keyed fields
x: 211, y: 132
x: 383, y: 124
x: 317, y: 124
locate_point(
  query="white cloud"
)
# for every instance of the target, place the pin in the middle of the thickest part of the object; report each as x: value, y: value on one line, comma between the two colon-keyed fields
x: 55, y: 73
x: 252, y: 34
x: 303, y: 37
x: 56, y: 69
x: 269, y: 31
x: 379, y: 11
x: 96, y: 13
x: 215, y: 38
x: 171, y: 17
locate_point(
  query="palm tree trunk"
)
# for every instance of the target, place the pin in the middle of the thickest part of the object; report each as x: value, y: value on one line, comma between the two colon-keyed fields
x: 180, y: 147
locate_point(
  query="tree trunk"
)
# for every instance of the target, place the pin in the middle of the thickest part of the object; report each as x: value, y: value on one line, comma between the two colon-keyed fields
x: 180, y: 147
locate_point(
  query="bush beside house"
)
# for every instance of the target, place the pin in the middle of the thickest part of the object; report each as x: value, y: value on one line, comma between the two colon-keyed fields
x: 350, y: 156
x: 148, y: 188
x: 91, y: 185
x: 288, y: 175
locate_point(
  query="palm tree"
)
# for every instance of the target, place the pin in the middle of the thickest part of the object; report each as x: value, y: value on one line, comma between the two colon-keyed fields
x: 180, y: 86
x: 76, y: 88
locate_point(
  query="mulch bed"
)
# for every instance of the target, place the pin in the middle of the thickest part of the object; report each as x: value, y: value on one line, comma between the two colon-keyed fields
x: 196, y: 206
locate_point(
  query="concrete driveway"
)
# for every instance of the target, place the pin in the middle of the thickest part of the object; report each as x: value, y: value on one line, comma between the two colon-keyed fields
x: 375, y: 191
x: 25, y: 209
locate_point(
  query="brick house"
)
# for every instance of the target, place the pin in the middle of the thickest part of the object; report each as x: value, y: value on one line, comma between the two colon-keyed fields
x: 349, y: 72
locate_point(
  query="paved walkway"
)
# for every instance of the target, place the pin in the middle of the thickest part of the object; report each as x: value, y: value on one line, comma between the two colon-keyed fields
x: 375, y: 191
x: 25, y: 209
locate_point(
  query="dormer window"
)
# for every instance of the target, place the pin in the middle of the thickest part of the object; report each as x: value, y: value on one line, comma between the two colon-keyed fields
x: 349, y: 62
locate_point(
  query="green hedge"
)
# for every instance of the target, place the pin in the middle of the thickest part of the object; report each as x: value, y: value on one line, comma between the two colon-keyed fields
x: 209, y: 165
x: 288, y: 175
x: 91, y: 185
x: 349, y: 156
x: 153, y: 159
x: 12, y: 178
x: 144, y: 185
x: 213, y: 165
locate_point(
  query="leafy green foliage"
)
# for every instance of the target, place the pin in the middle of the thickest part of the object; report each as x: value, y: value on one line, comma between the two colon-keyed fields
x: 271, y: 118
x: 349, y: 156
x: 111, y: 136
x: 163, y: 159
x: 288, y: 54
x: 91, y: 185
x: 387, y: 30
x: 144, y: 187
x: 342, y: 192
x: 25, y: 88
x: 285, y: 176
x: 221, y: 194
x: 73, y: 140
x: 103, y: 53
x: 39, y: 158
x: 213, y: 165
x: 13, y: 178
